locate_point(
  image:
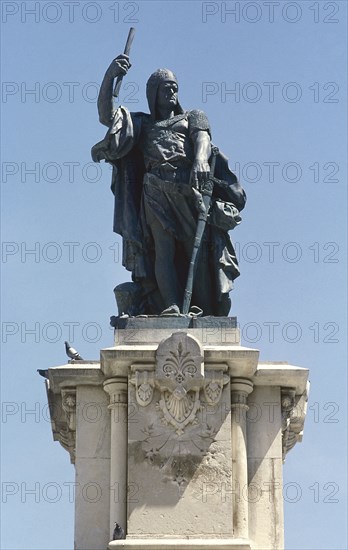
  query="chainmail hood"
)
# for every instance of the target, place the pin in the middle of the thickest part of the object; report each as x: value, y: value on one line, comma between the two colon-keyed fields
x: 159, y: 76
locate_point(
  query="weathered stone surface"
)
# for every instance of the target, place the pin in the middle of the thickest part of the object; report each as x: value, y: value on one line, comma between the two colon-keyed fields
x: 179, y: 447
x: 178, y: 478
x: 92, y: 497
x: 174, y: 544
x: 265, y: 476
x: 92, y: 500
x: 183, y: 544
x: 93, y: 420
x: 173, y: 425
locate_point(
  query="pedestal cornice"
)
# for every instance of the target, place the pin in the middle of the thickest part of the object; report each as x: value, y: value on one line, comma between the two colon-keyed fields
x: 86, y: 373
x: 241, y: 361
x: 61, y: 394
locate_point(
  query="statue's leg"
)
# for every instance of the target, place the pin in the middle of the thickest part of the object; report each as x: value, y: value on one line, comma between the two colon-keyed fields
x: 165, y: 272
x: 224, y: 306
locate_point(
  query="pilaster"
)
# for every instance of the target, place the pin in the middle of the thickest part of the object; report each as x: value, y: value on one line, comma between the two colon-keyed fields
x: 240, y: 390
x: 117, y: 390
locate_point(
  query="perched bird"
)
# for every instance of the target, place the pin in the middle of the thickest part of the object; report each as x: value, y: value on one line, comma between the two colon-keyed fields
x: 43, y: 373
x: 72, y: 353
x: 118, y: 532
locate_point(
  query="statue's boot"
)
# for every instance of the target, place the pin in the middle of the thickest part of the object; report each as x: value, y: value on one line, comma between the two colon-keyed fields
x: 172, y: 310
x: 195, y: 311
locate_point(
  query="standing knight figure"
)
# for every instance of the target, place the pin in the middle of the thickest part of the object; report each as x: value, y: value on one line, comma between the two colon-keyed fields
x: 160, y: 161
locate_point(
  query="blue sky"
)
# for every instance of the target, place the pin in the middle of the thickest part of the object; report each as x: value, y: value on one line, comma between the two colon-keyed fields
x: 271, y: 78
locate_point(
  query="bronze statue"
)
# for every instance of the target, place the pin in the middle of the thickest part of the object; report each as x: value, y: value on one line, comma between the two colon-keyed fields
x: 160, y: 169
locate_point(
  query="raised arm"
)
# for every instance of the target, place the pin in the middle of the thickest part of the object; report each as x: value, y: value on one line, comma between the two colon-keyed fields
x: 106, y: 108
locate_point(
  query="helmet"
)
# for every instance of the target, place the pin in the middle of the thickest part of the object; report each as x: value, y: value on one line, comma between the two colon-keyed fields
x: 159, y: 76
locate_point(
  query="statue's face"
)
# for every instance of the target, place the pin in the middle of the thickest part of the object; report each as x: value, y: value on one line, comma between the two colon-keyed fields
x: 167, y: 94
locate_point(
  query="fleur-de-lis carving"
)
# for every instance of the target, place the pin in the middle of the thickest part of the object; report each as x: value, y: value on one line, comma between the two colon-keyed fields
x: 179, y: 377
x: 179, y: 365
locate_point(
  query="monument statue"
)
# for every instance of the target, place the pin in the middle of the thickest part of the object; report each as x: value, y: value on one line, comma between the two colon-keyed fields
x: 174, y: 453
x: 162, y: 170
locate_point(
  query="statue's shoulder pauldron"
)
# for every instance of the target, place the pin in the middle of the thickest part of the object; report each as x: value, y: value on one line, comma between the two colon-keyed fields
x: 197, y: 121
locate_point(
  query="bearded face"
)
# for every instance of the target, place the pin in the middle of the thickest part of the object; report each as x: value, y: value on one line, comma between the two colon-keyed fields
x: 167, y: 95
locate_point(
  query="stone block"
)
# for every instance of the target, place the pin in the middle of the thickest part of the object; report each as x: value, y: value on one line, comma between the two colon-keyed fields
x: 265, y: 481
x: 92, y: 503
x: 93, y: 421
x: 151, y: 330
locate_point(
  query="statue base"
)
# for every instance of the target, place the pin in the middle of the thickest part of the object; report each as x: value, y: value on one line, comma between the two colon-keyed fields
x: 152, y: 329
x: 178, y: 435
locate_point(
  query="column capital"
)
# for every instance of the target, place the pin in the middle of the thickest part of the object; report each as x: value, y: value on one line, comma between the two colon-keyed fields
x: 117, y: 388
x: 240, y: 389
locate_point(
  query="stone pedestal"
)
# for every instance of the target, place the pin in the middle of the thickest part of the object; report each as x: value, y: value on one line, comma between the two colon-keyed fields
x: 179, y: 435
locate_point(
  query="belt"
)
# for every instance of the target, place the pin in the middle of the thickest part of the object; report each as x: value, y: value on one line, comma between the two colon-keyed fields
x: 168, y: 186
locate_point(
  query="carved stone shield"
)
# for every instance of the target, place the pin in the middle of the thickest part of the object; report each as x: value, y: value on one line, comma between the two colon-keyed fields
x: 179, y: 377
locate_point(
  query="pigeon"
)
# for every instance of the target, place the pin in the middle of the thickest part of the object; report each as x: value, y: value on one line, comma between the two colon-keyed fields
x: 43, y: 373
x: 72, y: 353
x: 118, y: 532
